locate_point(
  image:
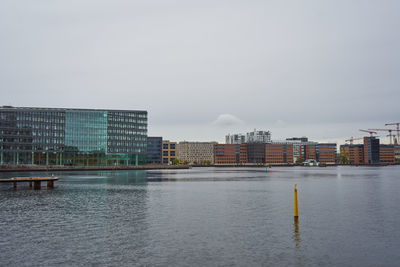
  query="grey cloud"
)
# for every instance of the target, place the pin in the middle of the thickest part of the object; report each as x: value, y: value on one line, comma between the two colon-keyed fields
x: 312, y: 64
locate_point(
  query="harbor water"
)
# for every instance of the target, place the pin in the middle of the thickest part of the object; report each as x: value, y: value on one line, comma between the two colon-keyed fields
x: 348, y: 216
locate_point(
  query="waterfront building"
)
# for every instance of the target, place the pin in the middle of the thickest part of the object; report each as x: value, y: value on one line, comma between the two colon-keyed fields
x: 63, y: 136
x: 326, y: 153
x: 279, y: 153
x: 356, y: 154
x: 299, y: 147
x: 310, y: 152
x: 169, y: 152
x: 154, y: 150
x: 386, y: 154
x: 371, y: 150
x: 397, y: 152
x: 196, y: 152
x: 275, y: 152
x: 319, y: 152
x: 230, y: 154
x: 255, y: 153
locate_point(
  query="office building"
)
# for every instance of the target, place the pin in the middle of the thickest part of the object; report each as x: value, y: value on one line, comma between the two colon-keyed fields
x: 279, y: 154
x: 196, y: 152
x: 356, y: 154
x: 230, y: 154
x: 276, y: 152
x: 62, y: 136
x: 326, y: 153
x: 154, y: 150
x: 371, y: 150
x: 386, y: 154
x: 169, y: 152
x: 255, y: 153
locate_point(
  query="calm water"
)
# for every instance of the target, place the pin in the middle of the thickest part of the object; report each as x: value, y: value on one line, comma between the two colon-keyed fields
x: 349, y: 216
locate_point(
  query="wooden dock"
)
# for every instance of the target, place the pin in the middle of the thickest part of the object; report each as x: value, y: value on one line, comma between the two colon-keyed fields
x: 36, y: 181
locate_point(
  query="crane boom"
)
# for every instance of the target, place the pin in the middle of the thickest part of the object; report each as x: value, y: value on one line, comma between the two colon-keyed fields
x: 368, y: 131
x: 389, y: 130
x: 397, y: 128
x: 351, y: 139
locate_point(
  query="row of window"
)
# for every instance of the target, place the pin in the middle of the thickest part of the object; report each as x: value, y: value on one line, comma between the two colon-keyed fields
x: 116, y: 114
x: 169, y: 146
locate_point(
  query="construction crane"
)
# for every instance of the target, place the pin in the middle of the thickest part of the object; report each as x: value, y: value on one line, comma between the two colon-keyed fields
x: 397, y: 128
x: 353, y: 139
x: 389, y: 130
x: 368, y: 131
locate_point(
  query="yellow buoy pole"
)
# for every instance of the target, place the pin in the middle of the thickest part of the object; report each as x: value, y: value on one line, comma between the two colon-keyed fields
x: 296, y: 207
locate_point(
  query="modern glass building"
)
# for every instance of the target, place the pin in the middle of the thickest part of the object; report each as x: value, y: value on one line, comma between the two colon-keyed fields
x: 154, y: 150
x: 82, y: 137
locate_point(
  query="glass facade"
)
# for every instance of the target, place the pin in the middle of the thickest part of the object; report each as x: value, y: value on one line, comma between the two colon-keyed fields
x: 154, y: 150
x: 47, y: 136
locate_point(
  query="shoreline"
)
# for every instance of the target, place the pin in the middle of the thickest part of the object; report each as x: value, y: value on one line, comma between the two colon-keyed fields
x: 36, y: 168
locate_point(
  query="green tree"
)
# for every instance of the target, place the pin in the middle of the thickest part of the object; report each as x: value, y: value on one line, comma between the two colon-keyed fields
x: 175, y: 162
x: 342, y: 159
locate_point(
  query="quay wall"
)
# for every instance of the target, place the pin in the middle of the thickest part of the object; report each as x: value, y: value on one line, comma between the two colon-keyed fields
x: 30, y: 168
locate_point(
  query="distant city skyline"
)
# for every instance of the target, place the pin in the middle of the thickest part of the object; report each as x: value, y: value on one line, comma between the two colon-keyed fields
x: 204, y: 69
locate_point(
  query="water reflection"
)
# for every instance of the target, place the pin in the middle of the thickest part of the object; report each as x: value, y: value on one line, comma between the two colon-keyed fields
x: 128, y: 218
x: 297, y: 240
x: 296, y: 233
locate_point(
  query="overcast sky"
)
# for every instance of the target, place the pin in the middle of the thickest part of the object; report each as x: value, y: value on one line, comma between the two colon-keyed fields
x: 202, y: 69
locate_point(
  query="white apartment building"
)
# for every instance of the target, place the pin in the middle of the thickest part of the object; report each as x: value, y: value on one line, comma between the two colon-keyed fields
x: 250, y: 137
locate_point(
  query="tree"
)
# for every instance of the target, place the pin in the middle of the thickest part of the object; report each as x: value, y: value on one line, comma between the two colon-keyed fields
x: 175, y: 162
x: 342, y: 159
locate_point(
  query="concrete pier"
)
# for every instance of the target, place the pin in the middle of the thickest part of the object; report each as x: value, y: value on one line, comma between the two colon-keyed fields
x: 35, y: 180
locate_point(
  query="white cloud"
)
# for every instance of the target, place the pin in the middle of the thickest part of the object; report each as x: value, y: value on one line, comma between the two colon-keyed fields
x: 225, y: 120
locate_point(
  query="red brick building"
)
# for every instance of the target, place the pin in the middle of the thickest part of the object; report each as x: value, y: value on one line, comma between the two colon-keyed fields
x: 326, y: 153
x: 310, y: 152
x: 356, y: 154
x: 279, y: 153
x: 230, y: 154
x: 371, y: 152
x: 386, y: 154
x: 272, y: 153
